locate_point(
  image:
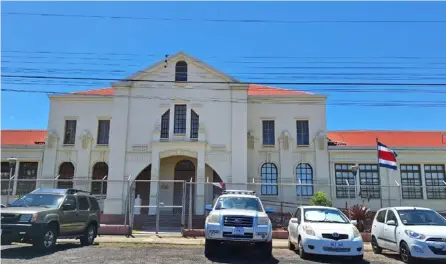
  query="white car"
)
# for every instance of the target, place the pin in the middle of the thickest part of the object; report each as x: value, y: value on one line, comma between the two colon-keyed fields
x: 324, y: 231
x: 412, y: 231
x: 238, y: 216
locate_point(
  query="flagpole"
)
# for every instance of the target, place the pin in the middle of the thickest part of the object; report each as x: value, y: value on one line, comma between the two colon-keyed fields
x: 379, y: 173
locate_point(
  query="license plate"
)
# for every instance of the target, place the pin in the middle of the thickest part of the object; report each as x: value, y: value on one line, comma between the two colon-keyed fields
x: 238, y: 231
x: 337, y: 244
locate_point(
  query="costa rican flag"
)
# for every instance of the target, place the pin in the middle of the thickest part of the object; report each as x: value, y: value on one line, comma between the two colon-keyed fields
x: 386, y: 157
x: 220, y: 185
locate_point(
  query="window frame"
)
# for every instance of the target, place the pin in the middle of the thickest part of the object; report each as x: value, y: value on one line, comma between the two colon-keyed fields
x: 69, y: 138
x: 75, y: 201
x: 181, y: 75
x: 165, y: 125
x: 194, y: 124
x: 270, y: 177
x: 29, y: 183
x: 406, y: 189
x: 384, y: 211
x: 369, y: 186
x: 307, y: 180
x: 434, y: 190
x: 103, y: 140
x: 302, y: 136
x: 341, y: 186
x: 268, y: 132
x: 79, y: 197
x: 180, y: 119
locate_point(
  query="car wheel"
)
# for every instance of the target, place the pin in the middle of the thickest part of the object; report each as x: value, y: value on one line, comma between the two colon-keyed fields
x: 375, y: 247
x: 209, y: 248
x: 47, y: 240
x: 406, y: 257
x: 291, y: 245
x: 302, y: 253
x: 90, y: 234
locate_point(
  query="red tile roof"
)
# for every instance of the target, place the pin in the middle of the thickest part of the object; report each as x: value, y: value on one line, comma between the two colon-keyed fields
x: 23, y: 137
x: 103, y: 91
x: 367, y: 138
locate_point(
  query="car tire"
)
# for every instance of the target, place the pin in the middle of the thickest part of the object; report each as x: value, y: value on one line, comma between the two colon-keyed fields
x: 291, y: 246
x: 405, y: 255
x: 210, y: 247
x: 302, y: 253
x: 89, y: 235
x: 375, y: 247
x: 47, y: 240
x: 266, y: 249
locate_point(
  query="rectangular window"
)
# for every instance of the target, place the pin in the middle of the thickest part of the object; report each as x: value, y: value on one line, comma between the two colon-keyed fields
x: 302, y: 133
x: 103, y: 132
x: 26, y: 178
x: 194, y: 124
x: 435, y: 178
x: 268, y: 133
x: 180, y: 119
x: 165, y: 125
x: 70, y: 132
x: 369, y: 181
x: 343, y: 173
x: 411, y: 181
x: 6, y: 174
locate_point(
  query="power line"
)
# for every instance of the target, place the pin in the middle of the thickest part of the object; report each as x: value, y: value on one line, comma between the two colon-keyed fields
x: 224, y: 20
x: 265, y: 101
x: 221, y: 82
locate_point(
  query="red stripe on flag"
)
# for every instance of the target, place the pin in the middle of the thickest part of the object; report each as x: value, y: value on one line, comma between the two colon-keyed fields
x: 386, y: 156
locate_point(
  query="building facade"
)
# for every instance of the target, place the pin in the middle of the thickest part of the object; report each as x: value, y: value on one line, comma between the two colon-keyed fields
x: 182, y: 120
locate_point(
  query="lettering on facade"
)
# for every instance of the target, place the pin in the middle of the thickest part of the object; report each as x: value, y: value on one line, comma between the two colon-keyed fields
x: 178, y: 152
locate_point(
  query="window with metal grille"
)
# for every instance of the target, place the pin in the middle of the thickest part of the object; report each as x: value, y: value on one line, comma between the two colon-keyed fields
x: 343, y: 173
x: 66, y: 175
x: 302, y: 133
x: 181, y: 71
x: 435, y: 181
x: 26, y: 178
x: 103, y: 132
x: 100, y: 170
x: 165, y: 125
x: 268, y: 133
x: 269, y: 179
x: 6, y: 174
x: 70, y: 132
x: 370, y: 184
x: 411, y: 184
x: 194, y: 123
x: 180, y: 119
x: 304, y: 175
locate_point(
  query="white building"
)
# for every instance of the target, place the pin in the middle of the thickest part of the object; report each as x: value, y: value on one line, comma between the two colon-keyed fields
x: 157, y: 126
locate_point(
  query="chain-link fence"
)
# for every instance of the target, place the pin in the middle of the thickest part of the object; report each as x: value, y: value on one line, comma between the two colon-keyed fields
x: 174, y: 205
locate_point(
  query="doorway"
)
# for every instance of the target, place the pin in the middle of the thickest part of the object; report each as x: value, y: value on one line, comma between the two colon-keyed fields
x: 184, y: 171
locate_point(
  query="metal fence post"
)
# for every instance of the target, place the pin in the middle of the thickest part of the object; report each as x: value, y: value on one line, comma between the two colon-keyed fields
x: 54, y: 181
x: 157, y: 207
x: 183, y: 205
x: 102, y: 188
x: 348, y: 200
x: 300, y: 193
x: 190, y: 205
x: 399, y: 192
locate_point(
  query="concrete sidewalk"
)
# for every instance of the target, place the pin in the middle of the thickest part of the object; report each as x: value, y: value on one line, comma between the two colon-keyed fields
x: 169, y: 239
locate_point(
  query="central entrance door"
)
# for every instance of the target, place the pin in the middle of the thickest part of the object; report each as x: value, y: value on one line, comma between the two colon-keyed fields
x: 184, y: 171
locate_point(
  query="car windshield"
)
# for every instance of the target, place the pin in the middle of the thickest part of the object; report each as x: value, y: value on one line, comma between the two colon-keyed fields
x: 240, y: 203
x: 421, y: 217
x: 39, y: 200
x: 323, y: 215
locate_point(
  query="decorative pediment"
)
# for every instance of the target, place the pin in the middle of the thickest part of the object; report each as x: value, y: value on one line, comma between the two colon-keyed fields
x: 286, y: 139
x: 51, y: 138
x: 85, y: 138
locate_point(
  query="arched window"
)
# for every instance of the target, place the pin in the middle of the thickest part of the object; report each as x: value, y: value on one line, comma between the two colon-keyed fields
x: 269, y: 179
x: 165, y: 125
x: 100, y: 170
x: 181, y: 71
x: 66, y: 175
x: 304, y: 175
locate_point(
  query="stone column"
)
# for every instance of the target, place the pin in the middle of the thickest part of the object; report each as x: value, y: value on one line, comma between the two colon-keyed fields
x: 200, y: 179
x: 155, y: 177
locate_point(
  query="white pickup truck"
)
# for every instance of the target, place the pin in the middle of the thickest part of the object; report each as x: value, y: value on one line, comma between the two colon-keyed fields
x: 238, y: 216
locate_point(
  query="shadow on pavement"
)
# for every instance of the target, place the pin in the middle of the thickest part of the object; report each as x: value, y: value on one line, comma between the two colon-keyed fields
x: 28, y: 252
x: 333, y: 259
x: 245, y: 255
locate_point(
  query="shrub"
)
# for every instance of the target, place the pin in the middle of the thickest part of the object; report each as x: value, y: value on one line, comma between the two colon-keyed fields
x: 361, y: 214
x: 321, y: 199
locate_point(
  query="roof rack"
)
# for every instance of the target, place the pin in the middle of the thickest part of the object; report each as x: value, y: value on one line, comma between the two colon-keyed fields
x: 239, y: 192
x: 74, y: 191
x: 58, y: 191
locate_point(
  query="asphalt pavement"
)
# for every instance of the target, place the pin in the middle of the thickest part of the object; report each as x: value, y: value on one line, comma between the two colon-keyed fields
x: 139, y: 253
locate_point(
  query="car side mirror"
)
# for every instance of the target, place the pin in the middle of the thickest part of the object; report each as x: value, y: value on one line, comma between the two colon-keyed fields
x: 208, y: 208
x: 354, y: 222
x: 391, y: 223
x: 294, y: 221
x: 269, y: 210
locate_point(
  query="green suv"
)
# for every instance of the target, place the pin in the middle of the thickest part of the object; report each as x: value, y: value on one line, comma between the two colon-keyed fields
x: 44, y: 215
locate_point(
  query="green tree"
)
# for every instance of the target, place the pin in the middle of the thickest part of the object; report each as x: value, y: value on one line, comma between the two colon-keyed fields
x: 321, y: 199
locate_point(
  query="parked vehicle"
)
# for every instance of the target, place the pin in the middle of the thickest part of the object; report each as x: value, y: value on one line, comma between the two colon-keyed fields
x: 238, y: 217
x: 44, y: 215
x: 414, y: 232
x: 324, y: 231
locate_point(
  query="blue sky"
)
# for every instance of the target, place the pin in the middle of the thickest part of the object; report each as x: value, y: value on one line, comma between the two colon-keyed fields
x: 340, y: 52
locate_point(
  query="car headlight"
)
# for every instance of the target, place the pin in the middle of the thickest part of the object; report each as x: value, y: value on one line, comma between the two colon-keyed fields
x: 355, y: 232
x: 414, y: 235
x: 28, y: 218
x: 309, y: 230
x: 263, y: 221
x: 213, y: 219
